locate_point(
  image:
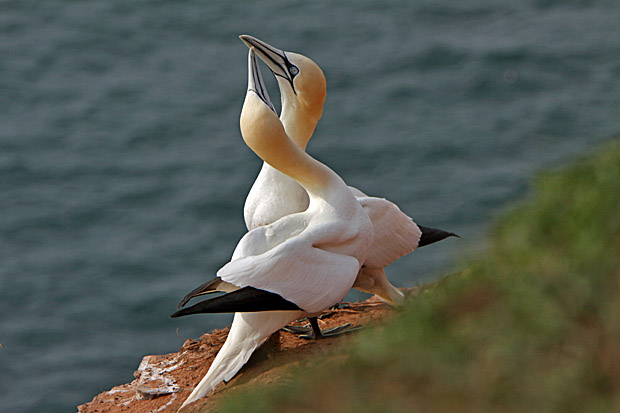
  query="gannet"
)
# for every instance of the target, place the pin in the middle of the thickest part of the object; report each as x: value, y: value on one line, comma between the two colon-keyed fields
x: 303, y: 89
x: 274, y: 194
x: 303, y: 262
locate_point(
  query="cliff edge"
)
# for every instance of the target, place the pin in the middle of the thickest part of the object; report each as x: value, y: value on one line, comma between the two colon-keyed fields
x: 163, y: 382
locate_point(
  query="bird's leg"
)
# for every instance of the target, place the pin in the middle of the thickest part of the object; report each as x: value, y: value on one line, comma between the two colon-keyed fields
x: 314, y: 331
x: 329, y: 332
x: 306, y: 329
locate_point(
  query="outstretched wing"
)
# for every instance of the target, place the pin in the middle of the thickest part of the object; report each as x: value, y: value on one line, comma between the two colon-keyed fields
x: 312, y: 278
x: 395, y: 233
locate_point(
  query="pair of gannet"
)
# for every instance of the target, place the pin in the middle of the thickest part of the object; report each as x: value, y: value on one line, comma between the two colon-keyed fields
x: 303, y: 262
x: 311, y: 237
x: 275, y: 195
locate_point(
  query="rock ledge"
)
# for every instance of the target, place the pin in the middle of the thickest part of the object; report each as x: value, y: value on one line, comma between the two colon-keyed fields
x: 162, y: 382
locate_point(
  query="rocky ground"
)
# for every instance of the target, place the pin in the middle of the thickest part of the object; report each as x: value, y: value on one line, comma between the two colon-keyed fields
x: 163, y: 382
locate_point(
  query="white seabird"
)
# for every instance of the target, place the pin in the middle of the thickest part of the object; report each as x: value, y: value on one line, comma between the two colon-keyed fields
x: 303, y: 89
x: 275, y: 195
x: 306, y: 261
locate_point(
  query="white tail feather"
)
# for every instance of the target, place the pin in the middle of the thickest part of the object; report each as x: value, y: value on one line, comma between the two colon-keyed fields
x: 247, y: 333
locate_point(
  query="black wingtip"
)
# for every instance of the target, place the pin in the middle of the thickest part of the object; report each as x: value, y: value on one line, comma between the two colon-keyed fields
x: 432, y: 235
x: 244, y: 300
x: 206, y: 288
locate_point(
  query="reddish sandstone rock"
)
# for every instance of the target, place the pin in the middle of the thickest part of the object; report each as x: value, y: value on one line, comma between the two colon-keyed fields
x: 163, y: 382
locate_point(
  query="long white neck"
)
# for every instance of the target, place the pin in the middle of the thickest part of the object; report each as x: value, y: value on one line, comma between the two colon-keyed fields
x: 274, y: 194
x: 266, y: 136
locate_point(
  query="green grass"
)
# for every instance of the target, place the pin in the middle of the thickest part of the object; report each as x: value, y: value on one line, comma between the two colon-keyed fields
x: 532, y: 325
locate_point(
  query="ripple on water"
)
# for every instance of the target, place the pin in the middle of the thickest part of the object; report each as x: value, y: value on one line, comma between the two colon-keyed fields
x: 123, y: 173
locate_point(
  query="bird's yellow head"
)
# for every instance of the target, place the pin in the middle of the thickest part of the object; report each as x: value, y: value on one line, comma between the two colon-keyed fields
x: 302, y: 82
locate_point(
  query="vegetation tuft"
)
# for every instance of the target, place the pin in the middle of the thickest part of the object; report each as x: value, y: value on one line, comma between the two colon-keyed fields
x: 533, y: 325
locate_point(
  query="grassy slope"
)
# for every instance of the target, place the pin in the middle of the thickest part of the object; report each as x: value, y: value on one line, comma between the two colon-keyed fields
x: 533, y: 325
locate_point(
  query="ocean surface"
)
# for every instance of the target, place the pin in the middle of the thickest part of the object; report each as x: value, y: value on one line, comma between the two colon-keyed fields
x: 123, y: 173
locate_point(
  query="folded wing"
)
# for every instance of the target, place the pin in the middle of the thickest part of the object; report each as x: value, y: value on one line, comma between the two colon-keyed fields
x: 396, y: 234
x: 310, y: 277
x: 246, y: 299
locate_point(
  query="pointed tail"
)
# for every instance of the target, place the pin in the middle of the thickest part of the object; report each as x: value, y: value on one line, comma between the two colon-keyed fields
x: 247, y: 333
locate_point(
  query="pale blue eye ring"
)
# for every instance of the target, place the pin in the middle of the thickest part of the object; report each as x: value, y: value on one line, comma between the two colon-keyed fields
x: 293, y: 70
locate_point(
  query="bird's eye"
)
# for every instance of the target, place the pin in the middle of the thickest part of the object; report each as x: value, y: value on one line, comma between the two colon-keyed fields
x: 293, y: 70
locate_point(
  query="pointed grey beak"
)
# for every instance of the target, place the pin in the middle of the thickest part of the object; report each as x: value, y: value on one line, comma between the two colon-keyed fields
x: 274, y: 58
x: 255, y: 80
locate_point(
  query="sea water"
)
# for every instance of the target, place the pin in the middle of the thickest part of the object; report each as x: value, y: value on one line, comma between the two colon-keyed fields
x: 123, y: 173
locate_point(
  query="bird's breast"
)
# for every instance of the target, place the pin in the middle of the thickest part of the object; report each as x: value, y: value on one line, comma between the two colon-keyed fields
x: 273, y: 196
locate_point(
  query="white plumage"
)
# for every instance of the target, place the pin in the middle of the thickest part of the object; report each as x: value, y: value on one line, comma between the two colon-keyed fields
x: 310, y: 258
x: 275, y: 195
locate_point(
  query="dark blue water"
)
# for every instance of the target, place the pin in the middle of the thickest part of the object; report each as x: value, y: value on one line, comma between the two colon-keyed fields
x: 123, y: 173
